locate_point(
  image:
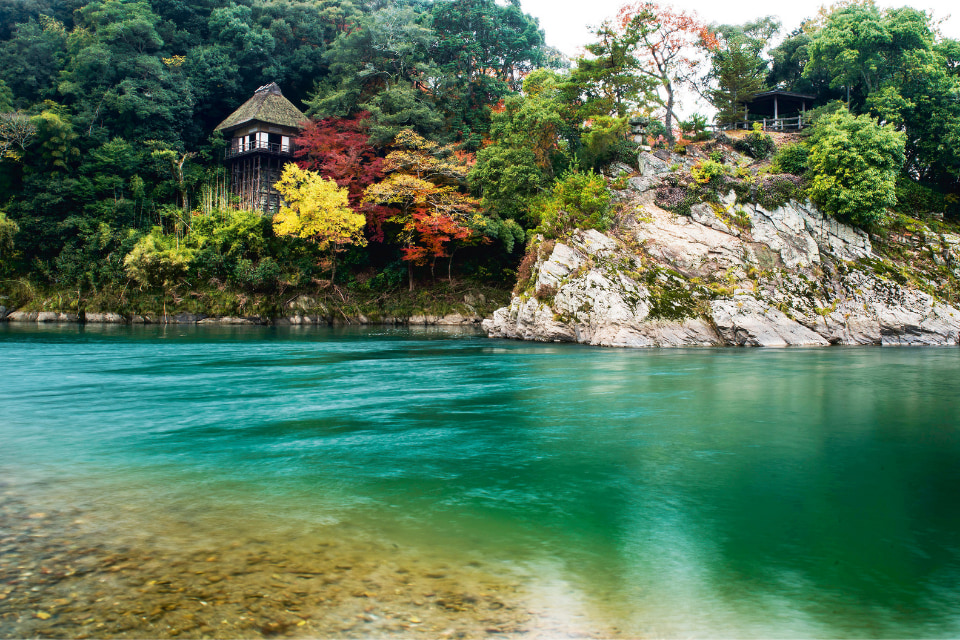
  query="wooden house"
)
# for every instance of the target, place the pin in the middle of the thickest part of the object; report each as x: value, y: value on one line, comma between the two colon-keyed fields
x: 260, y: 134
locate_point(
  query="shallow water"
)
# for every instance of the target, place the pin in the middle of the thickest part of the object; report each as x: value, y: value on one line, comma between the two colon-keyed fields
x: 425, y: 483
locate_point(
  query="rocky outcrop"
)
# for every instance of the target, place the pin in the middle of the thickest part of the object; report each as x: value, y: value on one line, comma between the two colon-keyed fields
x: 728, y: 274
x: 41, y: 317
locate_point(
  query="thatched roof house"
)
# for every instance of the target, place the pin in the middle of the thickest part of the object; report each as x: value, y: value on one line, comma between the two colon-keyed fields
x: 261, y: 137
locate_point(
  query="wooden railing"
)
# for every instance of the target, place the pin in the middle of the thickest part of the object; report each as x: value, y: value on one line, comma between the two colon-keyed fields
x: 795, y: 123
x: 258, y: 145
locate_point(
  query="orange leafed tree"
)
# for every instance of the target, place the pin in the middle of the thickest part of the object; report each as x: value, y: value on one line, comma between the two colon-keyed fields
x: 669, y: 45
x: 424, y: 185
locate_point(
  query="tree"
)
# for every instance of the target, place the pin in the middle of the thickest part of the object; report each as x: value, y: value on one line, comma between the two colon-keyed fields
x: 921, y: 99
x: 612, y: 76
x: 56, y: 138
x: 738, y: 69
x: 16, y: 131
x: 424, y: 183
x: 6, y: 98
x: 8, y: 229
x: 483, y: 50
x: 859, y: 46
x: 534, y: 137
x: 668, y: 46
x: 158, y: 261
x: 31, y: 61
x: 854, y: 163
x: 175, y: 161
x: 340, y: 150
x: 383, y: 67
x: 477, y: 39
x: 317, y: 209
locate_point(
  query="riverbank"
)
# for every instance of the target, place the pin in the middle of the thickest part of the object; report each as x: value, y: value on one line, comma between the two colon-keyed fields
x: 444, y: 304
x: 85, y: 571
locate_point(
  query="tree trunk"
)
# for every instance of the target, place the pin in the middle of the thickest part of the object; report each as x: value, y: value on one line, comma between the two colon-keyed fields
x: 410, y: 274
x: 668, y: 120
x: 450, y: 266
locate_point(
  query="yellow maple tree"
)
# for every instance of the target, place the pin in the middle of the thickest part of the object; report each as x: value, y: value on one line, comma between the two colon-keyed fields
x: 317, y: 209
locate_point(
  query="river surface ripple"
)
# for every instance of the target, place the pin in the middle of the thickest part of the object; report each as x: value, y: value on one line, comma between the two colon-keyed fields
x: 248, y: 482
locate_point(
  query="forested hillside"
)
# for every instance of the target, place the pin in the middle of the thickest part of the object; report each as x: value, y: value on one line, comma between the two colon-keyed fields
x: 452, y: 131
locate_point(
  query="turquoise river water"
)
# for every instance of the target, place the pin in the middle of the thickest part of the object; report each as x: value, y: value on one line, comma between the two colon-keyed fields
x: 248, y: 482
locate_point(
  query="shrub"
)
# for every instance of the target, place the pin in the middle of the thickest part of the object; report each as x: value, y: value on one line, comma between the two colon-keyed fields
x: 914, y: 198
x: 792, y: 158
x: 854, y: 164
x: 755, y: 144
x: 695, y: 128
x: 525, y: 270
x: 777, y: 190
x: 158, y: 260
x: 578, y: 201
x: 8, y: 229
x: 708, y: 172
x: 607, y: 141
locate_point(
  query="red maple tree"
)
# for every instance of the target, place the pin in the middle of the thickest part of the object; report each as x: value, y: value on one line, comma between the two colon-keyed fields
x: 670, y: 46
x: 340, y: 150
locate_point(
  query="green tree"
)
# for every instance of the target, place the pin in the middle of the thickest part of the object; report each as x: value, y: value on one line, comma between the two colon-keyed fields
x: 612, y: 77
x: 577, y: 201
x: 6, y: 98
x: 534, y: 138
x: 383, y: 67
x: 31, y: 61
x: 8, y: 230
x: 55, y: 141
x: 158, y: 261
x: 738, y: 70
x: 854, y: 164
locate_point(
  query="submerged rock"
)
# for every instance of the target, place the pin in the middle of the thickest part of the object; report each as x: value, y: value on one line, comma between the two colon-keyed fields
x: 728, y: 274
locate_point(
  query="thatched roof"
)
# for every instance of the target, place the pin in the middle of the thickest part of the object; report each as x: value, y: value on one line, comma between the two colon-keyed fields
x: 268, y: 106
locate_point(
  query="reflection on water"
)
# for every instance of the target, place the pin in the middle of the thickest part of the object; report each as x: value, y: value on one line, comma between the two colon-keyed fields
x: 555, y: 489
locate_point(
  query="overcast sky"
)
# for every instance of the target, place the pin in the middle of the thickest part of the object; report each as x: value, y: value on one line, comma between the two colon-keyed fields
x: 567, y: 22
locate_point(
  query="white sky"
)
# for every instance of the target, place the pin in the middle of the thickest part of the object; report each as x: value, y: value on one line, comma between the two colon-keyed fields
x: 567, y: 22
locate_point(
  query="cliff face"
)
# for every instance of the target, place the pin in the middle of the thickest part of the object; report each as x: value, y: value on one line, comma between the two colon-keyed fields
x: 731, y: 274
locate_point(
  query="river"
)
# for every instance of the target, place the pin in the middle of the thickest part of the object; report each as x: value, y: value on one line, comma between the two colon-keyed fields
x: 244, y: 482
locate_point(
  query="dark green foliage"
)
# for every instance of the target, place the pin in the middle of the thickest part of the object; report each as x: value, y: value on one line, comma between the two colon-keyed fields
x: 755, y: 144
x: 913, y: 198
x: 891, y: 65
